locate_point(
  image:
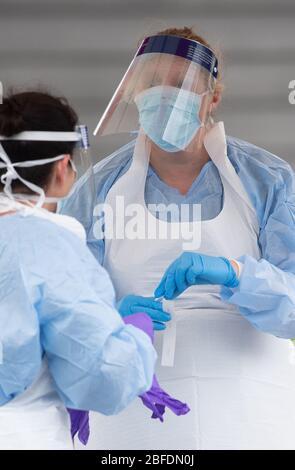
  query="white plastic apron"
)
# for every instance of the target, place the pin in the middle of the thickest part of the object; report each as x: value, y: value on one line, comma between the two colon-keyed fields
x: 238, y: 382
x: 37, y: 419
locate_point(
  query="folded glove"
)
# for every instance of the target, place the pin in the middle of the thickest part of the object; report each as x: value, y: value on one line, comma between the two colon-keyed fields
x: 156, y: 399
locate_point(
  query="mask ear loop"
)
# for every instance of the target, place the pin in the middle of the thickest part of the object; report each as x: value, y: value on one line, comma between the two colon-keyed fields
x: 73, y: 166
x: 11, y: 174
x: 208, y: 123
x: 210, y: 120
x: 203, y: 126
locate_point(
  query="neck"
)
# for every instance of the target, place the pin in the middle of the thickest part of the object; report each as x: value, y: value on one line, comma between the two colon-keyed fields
x: 180, y: 169
x: 50, y: 206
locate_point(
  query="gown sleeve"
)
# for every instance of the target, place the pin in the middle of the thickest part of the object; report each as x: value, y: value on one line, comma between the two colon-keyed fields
x: 266, y: 292
x: 97, y: 362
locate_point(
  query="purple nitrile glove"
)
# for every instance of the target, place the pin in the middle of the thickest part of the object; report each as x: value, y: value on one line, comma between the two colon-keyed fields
x: 80, y: 424
x: 156, y: 399
x: 141, y: 321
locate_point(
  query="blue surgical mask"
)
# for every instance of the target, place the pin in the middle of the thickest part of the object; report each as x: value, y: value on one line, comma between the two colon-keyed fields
x: 169, y: 116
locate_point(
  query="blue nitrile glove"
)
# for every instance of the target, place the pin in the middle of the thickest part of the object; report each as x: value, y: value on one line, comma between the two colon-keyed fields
x: 135, y: 304
x: 194, y: 268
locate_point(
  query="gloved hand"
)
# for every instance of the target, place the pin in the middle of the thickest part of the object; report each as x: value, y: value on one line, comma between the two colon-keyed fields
x: 156, y: 399
x: 194, y: 268
x: 135, y: 304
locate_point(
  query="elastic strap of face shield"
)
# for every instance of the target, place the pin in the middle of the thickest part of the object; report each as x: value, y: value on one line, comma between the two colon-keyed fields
x: 80, y: 136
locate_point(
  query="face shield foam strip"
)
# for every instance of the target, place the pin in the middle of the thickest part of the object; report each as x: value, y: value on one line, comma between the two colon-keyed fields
x: 182, y: 47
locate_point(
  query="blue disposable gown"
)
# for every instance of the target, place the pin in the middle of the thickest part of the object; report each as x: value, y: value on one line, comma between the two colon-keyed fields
x: 266, y: 293
x: 55, y: 299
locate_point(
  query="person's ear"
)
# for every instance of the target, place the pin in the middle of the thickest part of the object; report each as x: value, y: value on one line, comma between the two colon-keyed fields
x: 62, y: 169
x: 216, y: 99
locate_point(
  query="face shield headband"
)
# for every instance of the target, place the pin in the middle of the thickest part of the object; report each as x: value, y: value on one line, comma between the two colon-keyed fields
x: 181, y: 47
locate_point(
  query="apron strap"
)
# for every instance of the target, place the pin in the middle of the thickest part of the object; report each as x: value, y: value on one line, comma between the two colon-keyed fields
x: 216, y: 146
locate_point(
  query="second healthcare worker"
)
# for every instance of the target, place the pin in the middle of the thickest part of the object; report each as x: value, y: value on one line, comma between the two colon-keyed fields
x: 62, y: 342
x: 231, y: 294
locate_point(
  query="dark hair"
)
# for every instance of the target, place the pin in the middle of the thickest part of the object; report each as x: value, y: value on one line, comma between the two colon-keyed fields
x: 35, y: 111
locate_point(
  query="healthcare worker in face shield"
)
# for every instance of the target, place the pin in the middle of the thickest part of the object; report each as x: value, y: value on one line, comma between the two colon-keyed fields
x: 62, y: 342
x: 226, y: 293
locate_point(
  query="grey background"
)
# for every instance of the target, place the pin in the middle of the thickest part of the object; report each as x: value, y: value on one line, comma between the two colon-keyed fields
x: 80, y: 49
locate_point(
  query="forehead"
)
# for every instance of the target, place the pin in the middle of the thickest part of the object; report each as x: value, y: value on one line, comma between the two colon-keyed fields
x: 159, y: 68
x: 167, y: 62
x: 170, y: 68
x: 163, y: 67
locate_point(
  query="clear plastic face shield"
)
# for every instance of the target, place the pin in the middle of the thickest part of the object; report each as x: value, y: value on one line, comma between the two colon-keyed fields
x: 81, y: 164
x: 165, y: 93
